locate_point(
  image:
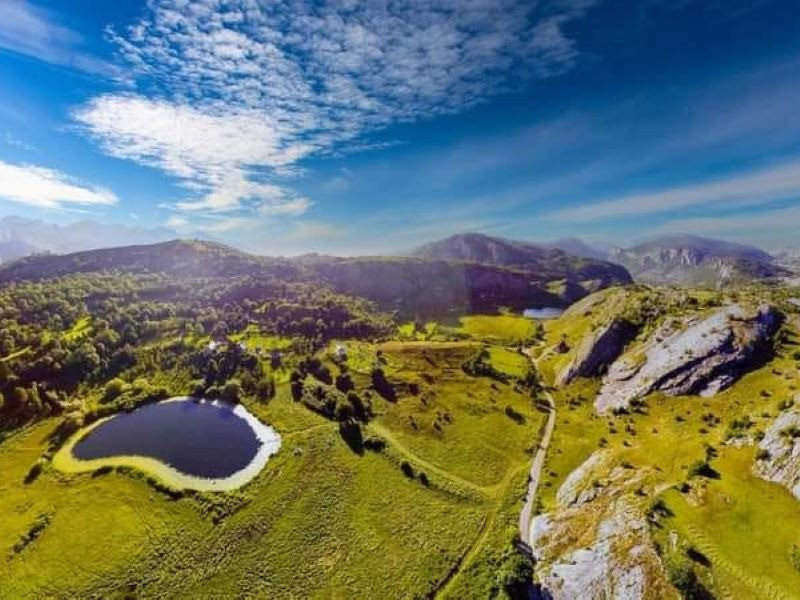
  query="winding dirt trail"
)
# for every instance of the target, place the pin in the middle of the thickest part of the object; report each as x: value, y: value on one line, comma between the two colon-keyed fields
x: 535, y: 472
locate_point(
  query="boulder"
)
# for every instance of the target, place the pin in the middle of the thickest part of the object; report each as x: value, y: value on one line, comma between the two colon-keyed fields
x: 702, y: 355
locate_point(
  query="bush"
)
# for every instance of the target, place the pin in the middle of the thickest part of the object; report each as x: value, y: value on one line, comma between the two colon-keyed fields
x: 702, y: 468
x: 265, y: 389
x: 407, y: 469
x: 382, y: 385
x: 350, y: 431
x: 375, y: 443
x: 514, y: 415
x: 198, y: 389
x: 114, y: 388
x: 688, y: 584
x: 514, y: 575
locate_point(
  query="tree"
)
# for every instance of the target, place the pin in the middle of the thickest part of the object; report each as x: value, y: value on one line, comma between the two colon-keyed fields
x: 344, y: 382
x: 265, y: 389
x: 232, y: 391
x: 19, y: 398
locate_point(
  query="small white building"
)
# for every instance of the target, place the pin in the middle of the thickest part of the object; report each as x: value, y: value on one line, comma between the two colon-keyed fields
x: 340, y: 352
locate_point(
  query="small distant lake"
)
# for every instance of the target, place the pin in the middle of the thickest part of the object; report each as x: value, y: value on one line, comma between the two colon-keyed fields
x: 542, y: 313
x: 191, y: 443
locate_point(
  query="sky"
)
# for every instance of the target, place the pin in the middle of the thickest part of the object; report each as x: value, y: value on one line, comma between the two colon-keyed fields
x: 345, y: 127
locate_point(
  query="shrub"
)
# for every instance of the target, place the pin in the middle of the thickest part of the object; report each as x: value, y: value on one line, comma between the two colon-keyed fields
x: 375, y: 443
x: 686, y: 581
x: 407, y: 469
x: 350, y: 431
x: 382, y: 385
x: 113, y: 389
x: 702, y: 468
x: 514, y: 415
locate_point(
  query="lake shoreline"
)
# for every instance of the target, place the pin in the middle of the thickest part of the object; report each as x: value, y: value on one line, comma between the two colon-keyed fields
x: 269, y: 439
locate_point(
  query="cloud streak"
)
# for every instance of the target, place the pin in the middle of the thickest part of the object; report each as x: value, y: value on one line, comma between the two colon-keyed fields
x: 46, y: 188
x: 30, y: 31
x: 757, y: 187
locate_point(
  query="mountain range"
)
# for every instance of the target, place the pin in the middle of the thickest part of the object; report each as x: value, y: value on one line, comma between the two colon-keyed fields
x: 579, y: 266
x: 695, y: 260
x: 20, y: 236
x: 416, y: 285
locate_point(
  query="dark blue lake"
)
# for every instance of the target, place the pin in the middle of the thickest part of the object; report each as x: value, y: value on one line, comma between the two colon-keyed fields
x: 198, y: 438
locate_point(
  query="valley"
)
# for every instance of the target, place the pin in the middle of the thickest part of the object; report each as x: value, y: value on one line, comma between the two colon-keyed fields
x: 450, y: 453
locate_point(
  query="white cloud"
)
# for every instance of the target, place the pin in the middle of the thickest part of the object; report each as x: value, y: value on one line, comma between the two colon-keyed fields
x: 773, y: 183
x: 177, y: 222
x: 240, y: 91
x: 211, y: 151
x: 45, y: 188
x: 336, y: 184
x: 18, y: 143
x: 30, y: 31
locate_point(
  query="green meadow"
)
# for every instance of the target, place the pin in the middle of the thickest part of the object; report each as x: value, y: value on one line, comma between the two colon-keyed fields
x: 430, y: 513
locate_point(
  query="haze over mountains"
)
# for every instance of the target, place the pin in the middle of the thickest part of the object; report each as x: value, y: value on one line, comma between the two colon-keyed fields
x: 696, y: 260
x: 20, y: 236
x: 676, y: 259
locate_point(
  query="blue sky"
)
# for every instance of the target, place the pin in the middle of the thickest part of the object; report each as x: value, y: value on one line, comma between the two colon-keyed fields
x: 345, y: 127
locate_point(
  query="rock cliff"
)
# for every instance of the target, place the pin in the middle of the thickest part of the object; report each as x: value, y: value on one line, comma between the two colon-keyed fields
x: 702, y: 355
x: 779, y: 459
x: 596, y: 543
x: 598, y: 350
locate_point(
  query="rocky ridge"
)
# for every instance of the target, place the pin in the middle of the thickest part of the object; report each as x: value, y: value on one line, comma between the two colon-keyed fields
x: 597, y: 543
x: 702, y: 355
x: 779, y: 459
x: 598, y: 349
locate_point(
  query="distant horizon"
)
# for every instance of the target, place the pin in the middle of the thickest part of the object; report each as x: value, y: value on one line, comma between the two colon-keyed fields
x: 349, y: 128
x: 172, y: 235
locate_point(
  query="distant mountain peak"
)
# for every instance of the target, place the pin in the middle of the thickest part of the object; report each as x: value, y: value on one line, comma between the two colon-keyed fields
x: 697, y: 260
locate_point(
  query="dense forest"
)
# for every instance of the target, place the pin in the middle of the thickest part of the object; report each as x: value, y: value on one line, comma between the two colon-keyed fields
x: 60, y: 337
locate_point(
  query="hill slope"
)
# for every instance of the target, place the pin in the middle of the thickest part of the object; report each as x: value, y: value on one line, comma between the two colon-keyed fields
x: 181, y: 258
x: 547, y: 263
x: 416, y: 286
x: 696, y: 260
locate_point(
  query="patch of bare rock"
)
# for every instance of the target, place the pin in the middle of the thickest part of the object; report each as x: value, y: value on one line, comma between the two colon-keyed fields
x: 596, y: 543
x: 700, y: 355
x: 778, y: 459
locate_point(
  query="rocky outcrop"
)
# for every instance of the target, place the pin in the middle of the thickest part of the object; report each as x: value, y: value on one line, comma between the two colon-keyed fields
x: 596, y: 543
x: 698, y: 356
x: 696, y: 260
x: 598, y: 350
x: 779, y: 456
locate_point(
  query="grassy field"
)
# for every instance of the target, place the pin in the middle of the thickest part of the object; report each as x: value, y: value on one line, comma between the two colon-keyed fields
x: 319, y: 521
x: 505, y: 328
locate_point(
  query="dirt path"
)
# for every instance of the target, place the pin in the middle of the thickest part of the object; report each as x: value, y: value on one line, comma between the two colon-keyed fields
x: 535, y: 472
